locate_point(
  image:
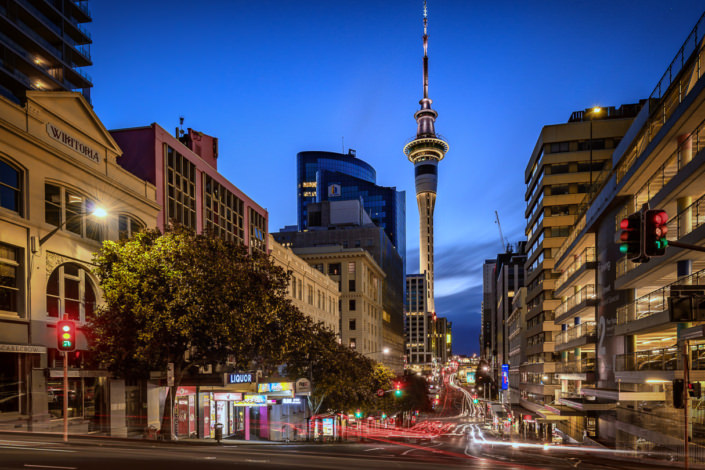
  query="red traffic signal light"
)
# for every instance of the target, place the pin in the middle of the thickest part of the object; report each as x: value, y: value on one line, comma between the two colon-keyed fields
x: 631, y: 237
x: 65, y: 335
x: 655, y: 230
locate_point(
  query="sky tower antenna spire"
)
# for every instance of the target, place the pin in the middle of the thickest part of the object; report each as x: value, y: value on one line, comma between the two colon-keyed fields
x: 425, y: 50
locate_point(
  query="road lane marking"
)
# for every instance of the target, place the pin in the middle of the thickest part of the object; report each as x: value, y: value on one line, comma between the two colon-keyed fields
x: 49, y: 466
x: 376, y: 448
x: 37, y: 448
x: 407, y: 451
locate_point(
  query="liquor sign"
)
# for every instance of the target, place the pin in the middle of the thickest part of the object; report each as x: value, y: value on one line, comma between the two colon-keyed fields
x: 505, y: 376
x: 238, y: 378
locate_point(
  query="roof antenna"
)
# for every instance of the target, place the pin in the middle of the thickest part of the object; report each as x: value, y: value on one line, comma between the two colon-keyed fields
x: 181, y: 124
x: 343, y: 144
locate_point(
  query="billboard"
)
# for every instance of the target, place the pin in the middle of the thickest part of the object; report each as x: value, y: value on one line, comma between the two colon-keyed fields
x: 505, y: 376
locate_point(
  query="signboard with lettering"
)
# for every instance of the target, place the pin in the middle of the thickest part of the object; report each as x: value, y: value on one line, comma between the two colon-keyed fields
x: 73, y: 143
x: 291, y: 401
x: 251, y: 400
x: 327, y: 426
x: 276, y: 387
x: 238, y: 378
x: 227, y: 396
x: 303, y: 387
x: 505, y: 376
x: 334, y: 190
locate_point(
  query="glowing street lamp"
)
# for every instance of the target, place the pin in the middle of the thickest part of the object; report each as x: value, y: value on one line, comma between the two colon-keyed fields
x: 97, y: 212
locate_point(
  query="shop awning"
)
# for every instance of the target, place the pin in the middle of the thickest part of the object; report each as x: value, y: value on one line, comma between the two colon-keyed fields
x: 549, y: 416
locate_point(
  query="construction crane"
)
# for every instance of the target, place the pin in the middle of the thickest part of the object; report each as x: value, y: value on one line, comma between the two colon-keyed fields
x: 499, y: 226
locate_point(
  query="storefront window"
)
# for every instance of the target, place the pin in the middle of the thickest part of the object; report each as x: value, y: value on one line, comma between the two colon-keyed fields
x: 87, y: 398
x: 10, y: 383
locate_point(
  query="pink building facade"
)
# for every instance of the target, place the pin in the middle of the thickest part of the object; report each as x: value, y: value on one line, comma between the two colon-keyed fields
x: 189, y: 188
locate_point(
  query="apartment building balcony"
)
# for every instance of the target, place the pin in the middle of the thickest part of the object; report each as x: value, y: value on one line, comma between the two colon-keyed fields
x: 664, y: 364
x: 583, y: 369
x: 540, y: 389
x: 576, y: 336
x: 579, y: 272
x: 650, y: 311
x: 538, y: 367
x: 579, y: 402
x: 547, y: 346
x: 580, y: 303
x: 546, y: 325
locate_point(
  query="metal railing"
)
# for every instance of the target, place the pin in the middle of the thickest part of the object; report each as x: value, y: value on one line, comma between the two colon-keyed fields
x: 678, y: 225
x: 668, y: 93
x: 654, y: 302
x: 581, y: 330
x: 587, y: 292
x: 655, y: 359
x: 587, y: 256
x: 576, y: 367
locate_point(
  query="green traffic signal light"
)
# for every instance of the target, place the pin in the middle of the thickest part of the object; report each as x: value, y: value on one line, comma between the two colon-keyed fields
x: 631, y: 236
x: 474, y: 400
x: 655, y: 230
x: 66, y: 335
x: 397, y: 393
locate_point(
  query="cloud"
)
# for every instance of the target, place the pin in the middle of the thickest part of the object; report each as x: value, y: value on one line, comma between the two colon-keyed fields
x: 463, y: 309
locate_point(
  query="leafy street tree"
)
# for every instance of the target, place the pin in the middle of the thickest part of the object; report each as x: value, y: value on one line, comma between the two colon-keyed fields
x: 191, y: 300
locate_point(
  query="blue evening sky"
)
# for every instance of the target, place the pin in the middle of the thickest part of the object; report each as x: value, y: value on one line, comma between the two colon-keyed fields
x: 272, y: 78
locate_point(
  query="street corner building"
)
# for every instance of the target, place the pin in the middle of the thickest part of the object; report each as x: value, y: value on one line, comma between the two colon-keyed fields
x: 58, y: 164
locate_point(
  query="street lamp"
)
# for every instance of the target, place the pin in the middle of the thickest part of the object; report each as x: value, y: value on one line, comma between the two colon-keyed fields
x: 595, y: 110
x: 97, y: 212
x: 384, y: 351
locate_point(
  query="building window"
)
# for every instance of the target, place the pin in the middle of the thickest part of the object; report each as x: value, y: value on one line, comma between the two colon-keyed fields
x: 224, y: 212
x: 351, y: 268
x: 10, y: 188
x: 318, y: 267
x: 70, y: 292
x: 61, y: 204
x: 351, y: 305
x: 557, y: 147
x: 351, y: 325
x: 181, y: 189
x: 334, y: 269
x: 310, y: 295
x: 128, y: 226
x: 353, y: 343
x: 9, y: 279
x: 258, y: 229
x: 351, y: 285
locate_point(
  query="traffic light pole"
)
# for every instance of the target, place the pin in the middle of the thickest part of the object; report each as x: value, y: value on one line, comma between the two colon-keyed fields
x: 66, y: 397
x: 686, y: 246
x: 686, y: 395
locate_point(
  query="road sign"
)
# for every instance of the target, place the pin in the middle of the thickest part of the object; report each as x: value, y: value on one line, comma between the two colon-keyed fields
x: 380, y: 393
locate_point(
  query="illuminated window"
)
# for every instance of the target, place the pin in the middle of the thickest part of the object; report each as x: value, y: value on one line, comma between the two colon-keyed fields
x: 10, y: 279
x: 61, y: 204
x: 71, y: 292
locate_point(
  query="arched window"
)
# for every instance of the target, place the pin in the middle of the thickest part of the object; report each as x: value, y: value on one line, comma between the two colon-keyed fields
x: 128, y: 226
x: 62, y: 204
x: 10, y: 187
x: 71, y: 292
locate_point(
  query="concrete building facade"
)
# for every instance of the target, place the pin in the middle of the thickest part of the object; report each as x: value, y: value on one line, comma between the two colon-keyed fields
x: 322, y: 306
x: 58, y: 164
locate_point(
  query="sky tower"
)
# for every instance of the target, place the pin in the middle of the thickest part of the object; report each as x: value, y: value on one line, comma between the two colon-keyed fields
x: 425, y: 151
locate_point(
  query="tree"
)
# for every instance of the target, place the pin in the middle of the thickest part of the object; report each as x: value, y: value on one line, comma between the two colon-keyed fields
x: 190, y: 300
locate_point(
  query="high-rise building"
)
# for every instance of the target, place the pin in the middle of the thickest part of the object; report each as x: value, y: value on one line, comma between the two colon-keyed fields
x: 329, y: 176
x: 346, y: 224
x: 624, y: 358
x: 419, y: 323
x: 44, y: 46
x: 567, y: 162
x: 425, y: 151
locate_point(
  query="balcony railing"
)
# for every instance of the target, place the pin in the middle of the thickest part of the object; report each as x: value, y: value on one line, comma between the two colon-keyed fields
x: 587, y: 256
x: 688, y: 219
x: 577, y: 331
x: 576, y: 367
x: 670, y: 91
x: 585, y: 293
x: 655, y: 359
x: 654, y: 302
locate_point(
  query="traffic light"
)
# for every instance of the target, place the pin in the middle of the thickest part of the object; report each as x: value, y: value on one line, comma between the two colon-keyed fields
x: 358, y: 414
x: 631, y: 236
x: 397, y: 389
x: 655, y: 230
x: 474, y: 399
x: 694, y: 389
x: 66, y: 335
